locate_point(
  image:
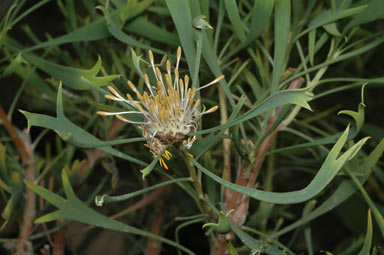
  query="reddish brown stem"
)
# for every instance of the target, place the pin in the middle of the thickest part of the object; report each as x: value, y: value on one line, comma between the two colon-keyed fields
x: 240, y: 202
x: 154, y: 246
x: 25, y: 150
x: 58, y: 245
x: 15, y: 138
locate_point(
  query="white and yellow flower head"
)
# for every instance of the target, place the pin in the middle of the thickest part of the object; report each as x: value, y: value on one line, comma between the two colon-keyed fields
x: 170, y: 110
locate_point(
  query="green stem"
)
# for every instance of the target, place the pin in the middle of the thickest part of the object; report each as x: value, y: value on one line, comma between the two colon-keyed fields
x: 197, y: 185
x: 104, y: 199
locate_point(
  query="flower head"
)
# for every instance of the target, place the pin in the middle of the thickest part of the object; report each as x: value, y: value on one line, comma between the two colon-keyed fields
x: 169, y: 109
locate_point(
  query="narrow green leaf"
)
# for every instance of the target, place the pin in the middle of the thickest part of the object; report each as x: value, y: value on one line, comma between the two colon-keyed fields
x: 67, y: 186
x: 5, y: 26
x: 51, y: 197
x: 74, y: 134
x: 3, y: 185
x: 234, y: 17
x: 143, y: 27
x: 35, y: 81
x: 213, y: 63
x: 94, y: 31
x: 376, y: 212
x: 13, y: 65
x: 202, y: 145
x: 72, y: 77
x: 7, y: 212
x: 332, y: 29
x: 249, y: 241
x: 368, y: 237
x: 148, y: 169
x: 115, y: 29
x: 311, y: 45
x: 94, y: 70
x: 74, y: 209
x: 293, y: 96
x: 261, y: 12
x: 307, y: 230
x: 3, y: 164
x: 342, y: 193
x: 12, y: 204
x: 372, y: 12
x: 324, y: 176
x: 136, y: 63
x: 257, y: 246
x: 50, y: 217
x: 328, y: 16
x: 25, y: 13
x: 132, y: 9
x: 379, y: 39
x: 357, y: 116
x: 181, y: 15
x: 209, y: 55
x: 282, y: 25
x: 298, y: 12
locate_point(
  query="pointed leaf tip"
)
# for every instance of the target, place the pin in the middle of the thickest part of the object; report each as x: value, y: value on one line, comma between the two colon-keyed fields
x: 67, y: 185
x: 25, y: 113
x: 50, y: 217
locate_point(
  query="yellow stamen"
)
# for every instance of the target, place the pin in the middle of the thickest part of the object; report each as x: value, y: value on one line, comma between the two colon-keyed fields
x: 194, y: 90
x: 129, y: 97
x: 147, y: 81
x: 110, y: 97
x: 151, y: 58
x: 189, y: 96
x: 197, y: 103
x: 167, y: 155
x: 112, y: 90
x: 168, y: 66
x: 168, y: 81
x: 212, y: 109
x: 102, y: 113
x: 160, y: 85
x: 158, y: 73
x: 139, y: 107
x: 213, y: 82
x: 181, y: 84
x: 176, y: 74
x: 163, y: 164
x: 132, y: 86
x: 121, y: 118
x: 178, y: 56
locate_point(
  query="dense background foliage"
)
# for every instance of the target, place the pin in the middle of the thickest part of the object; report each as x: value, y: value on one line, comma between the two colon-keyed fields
x: 308, y: 180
